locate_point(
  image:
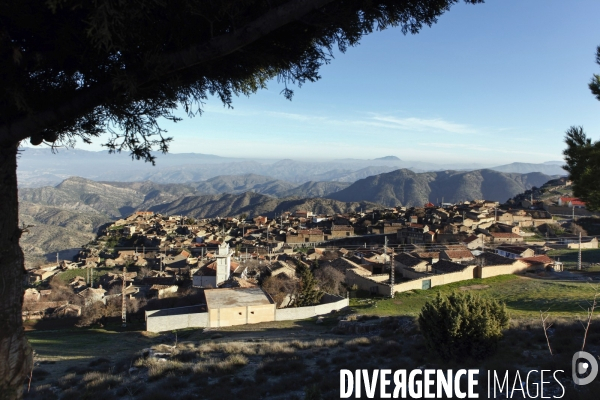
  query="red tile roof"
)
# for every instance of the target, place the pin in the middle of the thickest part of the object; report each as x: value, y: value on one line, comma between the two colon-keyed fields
x: 543, y: 259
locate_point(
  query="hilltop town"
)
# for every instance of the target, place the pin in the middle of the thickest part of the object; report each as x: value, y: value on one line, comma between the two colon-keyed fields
x: 152, y: 257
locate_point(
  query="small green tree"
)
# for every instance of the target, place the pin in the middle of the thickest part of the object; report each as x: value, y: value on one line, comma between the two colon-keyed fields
x: 309, y: 294
x: 463, y: 325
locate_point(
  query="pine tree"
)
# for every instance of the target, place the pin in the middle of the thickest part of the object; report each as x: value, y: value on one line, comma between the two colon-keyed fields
x: 583, y: 156
x: 309, y: 294
x: 463, y: 325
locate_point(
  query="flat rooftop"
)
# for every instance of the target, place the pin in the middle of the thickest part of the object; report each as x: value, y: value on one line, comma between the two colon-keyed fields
x: 236, y: 297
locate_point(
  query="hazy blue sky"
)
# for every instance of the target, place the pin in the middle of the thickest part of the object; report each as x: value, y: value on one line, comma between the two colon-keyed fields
x: 490, y: 83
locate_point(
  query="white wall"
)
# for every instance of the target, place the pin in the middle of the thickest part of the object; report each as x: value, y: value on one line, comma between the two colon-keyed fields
x: 175, y: 318
x: 332, y: 303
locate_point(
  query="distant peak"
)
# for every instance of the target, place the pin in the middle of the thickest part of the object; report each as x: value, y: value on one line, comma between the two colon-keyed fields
x: 388, y: 158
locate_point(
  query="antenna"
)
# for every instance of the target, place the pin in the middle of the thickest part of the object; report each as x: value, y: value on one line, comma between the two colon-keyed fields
x: 579, y: 258
x: 124, y: 303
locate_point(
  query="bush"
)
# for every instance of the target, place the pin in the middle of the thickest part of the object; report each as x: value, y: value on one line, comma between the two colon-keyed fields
x: 463, y: 325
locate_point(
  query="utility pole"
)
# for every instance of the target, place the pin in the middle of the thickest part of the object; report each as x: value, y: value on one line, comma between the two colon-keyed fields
x: 392, y: 278
x: 579, y: 258
x: 124, y: 303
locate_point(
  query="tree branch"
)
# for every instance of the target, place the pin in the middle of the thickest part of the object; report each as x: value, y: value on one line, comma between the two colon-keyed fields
x: 83, y: 102
x: 546, y: 326
x: 227, y: 44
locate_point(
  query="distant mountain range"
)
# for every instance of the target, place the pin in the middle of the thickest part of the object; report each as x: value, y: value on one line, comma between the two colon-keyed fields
x: 548, y: 168
x: 38, y: 167
x: 118, y: 199
x: 407, y: 188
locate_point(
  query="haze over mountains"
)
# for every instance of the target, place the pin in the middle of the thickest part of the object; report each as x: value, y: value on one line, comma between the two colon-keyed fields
x: 39, y: 167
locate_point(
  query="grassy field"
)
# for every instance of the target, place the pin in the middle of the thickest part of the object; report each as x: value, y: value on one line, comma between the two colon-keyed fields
x: 67, y: 275
x: 524, y: 297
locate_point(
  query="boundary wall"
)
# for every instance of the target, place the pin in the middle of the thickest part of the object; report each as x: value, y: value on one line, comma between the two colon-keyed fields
x: 169, y: 319
x: 192, y: 317
x: 329, y: 303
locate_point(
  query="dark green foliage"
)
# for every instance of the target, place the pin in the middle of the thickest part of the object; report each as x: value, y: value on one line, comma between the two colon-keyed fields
x: 309, y: 294
x: 583, y: 156
x: 583, y: 164
x: 463, y: 325
x: 594, y: 84
x: 121, y: 66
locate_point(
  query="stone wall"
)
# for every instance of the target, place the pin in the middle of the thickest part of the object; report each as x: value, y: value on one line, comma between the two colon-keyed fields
x: 364, y: 282
x: 176, y: 318
x: 439, y: 279
x: 328, y: 304
x: 191, y: 317
x: 495, y: 270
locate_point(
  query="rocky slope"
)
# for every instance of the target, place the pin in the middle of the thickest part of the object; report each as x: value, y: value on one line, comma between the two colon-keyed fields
x: 250, y: 203
x: 407, y: 188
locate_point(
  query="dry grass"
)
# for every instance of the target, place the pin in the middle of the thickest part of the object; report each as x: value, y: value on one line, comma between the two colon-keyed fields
x: 360, y: 341
x: 100, y: 381
x: 267, y: 348
x: 159, y: 368
x: 317, y: 343
x: 67, y: 381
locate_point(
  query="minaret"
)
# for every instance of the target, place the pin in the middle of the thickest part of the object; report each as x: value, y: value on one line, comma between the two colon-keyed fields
x: 223, y: 263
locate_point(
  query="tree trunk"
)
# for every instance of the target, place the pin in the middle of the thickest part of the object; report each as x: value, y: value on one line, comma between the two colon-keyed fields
x: 15, y: 352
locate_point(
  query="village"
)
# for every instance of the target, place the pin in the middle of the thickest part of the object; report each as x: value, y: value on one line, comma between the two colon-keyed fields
x: 182, y: 272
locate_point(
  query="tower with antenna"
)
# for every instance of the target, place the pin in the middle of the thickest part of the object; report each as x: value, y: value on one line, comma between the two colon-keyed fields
x: 124, y: 302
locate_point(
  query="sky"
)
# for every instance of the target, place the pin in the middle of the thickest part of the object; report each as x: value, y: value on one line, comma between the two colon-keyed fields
x: 492, y: 83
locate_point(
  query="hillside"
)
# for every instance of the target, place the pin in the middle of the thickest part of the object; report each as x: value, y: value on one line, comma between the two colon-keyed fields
x: 84, y: 195
x: 250, y: 203
x: 405, y: 187
x: 244, y: 183
x: 315, y: 189
x: 548, y: 168
x: 55, y: 230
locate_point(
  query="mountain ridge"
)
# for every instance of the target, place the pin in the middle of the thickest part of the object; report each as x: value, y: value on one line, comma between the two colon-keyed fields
x: 407, y: 188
